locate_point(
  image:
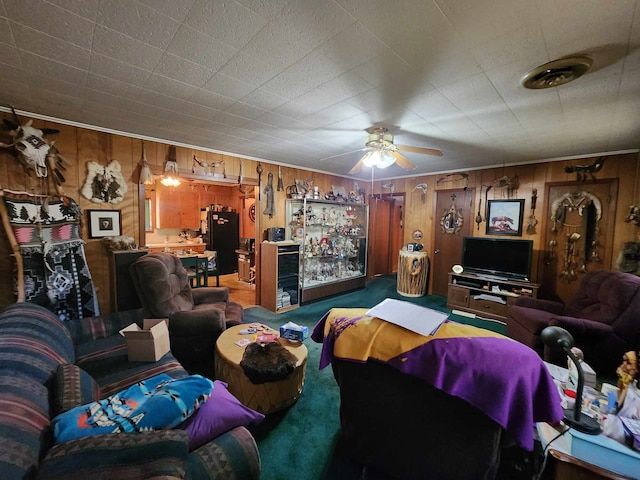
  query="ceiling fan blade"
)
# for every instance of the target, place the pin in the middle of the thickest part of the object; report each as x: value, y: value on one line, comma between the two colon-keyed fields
x: 356, y: 168
x: 423, y: 150
x: 345, y: 153
x: 402, y: 161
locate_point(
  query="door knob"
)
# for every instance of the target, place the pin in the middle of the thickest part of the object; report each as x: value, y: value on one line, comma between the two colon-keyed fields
x: 437, y: 251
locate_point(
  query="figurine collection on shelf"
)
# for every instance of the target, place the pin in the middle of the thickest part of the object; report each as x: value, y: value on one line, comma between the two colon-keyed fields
x: 332, y: 235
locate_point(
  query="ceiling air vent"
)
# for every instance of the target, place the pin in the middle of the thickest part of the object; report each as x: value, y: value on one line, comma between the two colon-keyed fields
x: 556, y: 73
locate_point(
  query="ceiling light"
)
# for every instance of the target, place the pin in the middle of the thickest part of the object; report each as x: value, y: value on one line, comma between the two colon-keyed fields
x: 378, y: 157
x: 170, y: 181
x: 556, y: 73
x: 170, y: 178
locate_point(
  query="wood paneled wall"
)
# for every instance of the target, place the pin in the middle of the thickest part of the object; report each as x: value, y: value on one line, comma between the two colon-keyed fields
x: 419, y: 215
x: 80, y: 146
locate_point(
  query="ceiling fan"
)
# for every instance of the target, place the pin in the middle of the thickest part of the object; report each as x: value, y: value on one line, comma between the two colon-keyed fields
x: 381, y: 152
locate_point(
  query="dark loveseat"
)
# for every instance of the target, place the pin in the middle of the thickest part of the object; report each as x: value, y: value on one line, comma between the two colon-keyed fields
x: 603, y: 317
x: 47, y: 366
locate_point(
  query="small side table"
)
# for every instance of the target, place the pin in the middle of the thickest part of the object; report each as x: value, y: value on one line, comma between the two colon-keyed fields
x: 593, y: 458
x: 267, y: 397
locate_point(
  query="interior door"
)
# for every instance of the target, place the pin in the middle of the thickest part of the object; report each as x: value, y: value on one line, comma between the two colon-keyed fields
x: 586, y: 212
x: 380, y: 235
x: 454, y: 219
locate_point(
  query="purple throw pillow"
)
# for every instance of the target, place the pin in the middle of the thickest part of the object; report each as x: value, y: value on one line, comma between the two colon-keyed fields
x: 220, y: 413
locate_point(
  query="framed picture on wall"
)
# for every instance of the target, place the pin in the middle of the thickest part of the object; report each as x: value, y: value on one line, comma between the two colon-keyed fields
x: 505, y: 217
x: 104, y: 223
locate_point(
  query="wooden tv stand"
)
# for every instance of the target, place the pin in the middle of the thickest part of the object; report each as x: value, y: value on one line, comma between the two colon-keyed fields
x: 487, y: 296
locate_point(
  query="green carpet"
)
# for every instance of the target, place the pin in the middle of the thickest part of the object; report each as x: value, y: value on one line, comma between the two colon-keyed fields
x: 301, y: 443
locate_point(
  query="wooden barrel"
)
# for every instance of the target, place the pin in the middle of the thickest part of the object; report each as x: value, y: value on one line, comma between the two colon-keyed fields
x: 413, y: 269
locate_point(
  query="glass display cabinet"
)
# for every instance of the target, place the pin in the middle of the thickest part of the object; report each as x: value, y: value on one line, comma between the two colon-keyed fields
x: 333, y: 239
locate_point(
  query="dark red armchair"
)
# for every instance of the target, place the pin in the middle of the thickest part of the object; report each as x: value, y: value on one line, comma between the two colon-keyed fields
x: 603, y: 317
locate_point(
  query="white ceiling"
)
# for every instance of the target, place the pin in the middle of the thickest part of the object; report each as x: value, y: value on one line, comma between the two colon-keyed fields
x: 295, y: 81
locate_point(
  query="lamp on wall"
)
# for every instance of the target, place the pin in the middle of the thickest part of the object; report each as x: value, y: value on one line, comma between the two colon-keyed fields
x: 170, y: 176
x: 557, y: 337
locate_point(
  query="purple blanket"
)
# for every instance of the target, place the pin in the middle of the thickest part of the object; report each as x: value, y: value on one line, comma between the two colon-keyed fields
x: 503, y: 378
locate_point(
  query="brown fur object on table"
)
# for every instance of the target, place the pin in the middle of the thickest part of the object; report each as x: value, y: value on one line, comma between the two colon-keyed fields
x: 267, y: 362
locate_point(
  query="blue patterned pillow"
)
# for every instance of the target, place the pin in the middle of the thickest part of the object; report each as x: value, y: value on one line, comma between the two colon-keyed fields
x: 157, y: 403
x: 72, y: 387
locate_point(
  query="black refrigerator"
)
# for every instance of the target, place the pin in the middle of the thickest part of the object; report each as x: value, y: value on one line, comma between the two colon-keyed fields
x: 223, y: 236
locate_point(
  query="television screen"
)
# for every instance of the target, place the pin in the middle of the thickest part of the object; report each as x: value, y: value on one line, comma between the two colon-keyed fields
x: 499, y: 257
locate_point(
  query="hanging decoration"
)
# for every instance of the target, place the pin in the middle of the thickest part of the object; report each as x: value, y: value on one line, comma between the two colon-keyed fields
x: 454, y: 177
x: 531, y: 225
x: 104, y: 184
x: 51, y: 265
x: 34, y: 152
x: 280, y: 183
x: 634, y: 210
x: 452, y: 220
x: 270, y: 209
x: 208, y: 168
x: 582, y: 171
x: 511, y: 184
x: 146, y: 177
x: 576, y: 215
x: 389, y: 186
x: 422, y: 187
x: 259, y: 171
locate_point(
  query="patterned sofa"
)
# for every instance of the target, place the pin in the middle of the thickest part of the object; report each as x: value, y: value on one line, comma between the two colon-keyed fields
x: 48, y: 366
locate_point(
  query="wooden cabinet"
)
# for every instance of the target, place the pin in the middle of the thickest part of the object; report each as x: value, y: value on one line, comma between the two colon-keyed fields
x: 246, y: 261
x: 177, y: 209
x: 486, y: 296
x: 280, y: 276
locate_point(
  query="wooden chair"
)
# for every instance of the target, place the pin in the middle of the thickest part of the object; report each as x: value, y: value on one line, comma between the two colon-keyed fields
x: 196, y: 268
x: 212, y: 265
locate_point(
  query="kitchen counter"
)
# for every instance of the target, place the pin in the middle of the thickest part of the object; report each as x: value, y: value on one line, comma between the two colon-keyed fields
x: 174, y: 244
x: 190, y: 247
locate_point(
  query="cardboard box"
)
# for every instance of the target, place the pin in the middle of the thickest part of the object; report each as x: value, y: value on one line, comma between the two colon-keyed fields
x: 292, y: 331
x: 148, y: 344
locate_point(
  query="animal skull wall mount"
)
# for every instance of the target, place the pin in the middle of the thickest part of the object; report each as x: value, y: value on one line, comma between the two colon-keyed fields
x: 33, y: 151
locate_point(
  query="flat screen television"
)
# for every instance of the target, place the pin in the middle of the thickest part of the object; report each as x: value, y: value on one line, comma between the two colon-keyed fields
x: 498, y: 257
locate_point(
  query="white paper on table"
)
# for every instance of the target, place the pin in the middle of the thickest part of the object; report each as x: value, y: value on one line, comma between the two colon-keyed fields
x: 422, y: 320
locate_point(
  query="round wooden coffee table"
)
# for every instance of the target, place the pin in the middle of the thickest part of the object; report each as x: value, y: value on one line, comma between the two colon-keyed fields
x: 267, y: 397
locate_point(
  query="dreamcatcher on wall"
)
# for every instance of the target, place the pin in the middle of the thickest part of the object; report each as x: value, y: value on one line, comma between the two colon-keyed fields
x: 575, y: 218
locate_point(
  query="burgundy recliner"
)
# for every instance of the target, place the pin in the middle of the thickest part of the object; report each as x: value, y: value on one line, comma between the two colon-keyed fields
x: 196, y: 316
x: 603, y: 317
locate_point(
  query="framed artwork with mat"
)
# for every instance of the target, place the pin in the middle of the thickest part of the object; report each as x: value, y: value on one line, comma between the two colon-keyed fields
x: 104, y: 223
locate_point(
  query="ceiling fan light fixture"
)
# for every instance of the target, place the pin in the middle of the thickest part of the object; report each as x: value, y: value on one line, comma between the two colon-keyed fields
x: 386, y: 160
x: 378, y: 157
x: 557, y: 72
x: 371, y: 158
